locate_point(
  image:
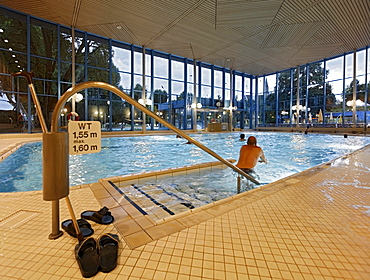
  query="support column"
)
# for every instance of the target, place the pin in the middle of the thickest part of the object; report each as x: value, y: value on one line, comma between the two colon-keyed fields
x: 194, y: 105
x: 73, y: 109
x: 298, y: 89
x: 354, y: 84
x: 143, y: 92
x: 231, y: 100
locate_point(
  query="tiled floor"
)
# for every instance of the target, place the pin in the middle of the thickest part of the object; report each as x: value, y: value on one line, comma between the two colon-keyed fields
x: 315, y: 225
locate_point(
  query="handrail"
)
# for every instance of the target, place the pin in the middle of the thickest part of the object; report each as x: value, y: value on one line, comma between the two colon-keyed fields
x: 94, y: 84
x: 28, y: 76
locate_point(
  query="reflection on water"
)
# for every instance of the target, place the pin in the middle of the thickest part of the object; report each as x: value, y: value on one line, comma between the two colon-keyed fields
x: 287, y: 153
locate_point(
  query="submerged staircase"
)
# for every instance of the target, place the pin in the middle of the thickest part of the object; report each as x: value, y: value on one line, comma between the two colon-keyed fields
x: 160, y: 202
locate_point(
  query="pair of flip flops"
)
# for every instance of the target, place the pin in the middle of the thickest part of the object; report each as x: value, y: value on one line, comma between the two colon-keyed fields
x: 97, y: 255
x: 103, y: 216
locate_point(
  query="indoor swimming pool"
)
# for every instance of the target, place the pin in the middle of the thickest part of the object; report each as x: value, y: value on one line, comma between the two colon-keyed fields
x: 287, y: 154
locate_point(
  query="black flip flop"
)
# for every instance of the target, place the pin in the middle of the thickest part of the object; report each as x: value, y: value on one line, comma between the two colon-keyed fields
x: 108, y: 249
x: 87, y: 257
x: 103, y: 216
x: 84, y: 226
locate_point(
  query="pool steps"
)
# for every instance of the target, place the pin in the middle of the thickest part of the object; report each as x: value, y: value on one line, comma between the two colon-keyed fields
x: 136, y: 228
x: 159, y: 210
x: 129, y: 199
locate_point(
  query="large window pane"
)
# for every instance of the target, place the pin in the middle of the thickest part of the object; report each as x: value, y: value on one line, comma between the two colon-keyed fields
x: 349, y: 66
x: 218, y: 78
x: 44, y: 39
x: 177, y: 70
x: 121, y: 59
x: 99, y: 53
x: 12, y: 62
x: 206, y: 92
x: 190, y: 73
x: 160, y: 67
x: 95, y: 74
x: 283, y: 94
x: 44, y: 68
x: 13, y: 32
x: 206, y: 76
x: 138, y: 64
x: 178, y: 88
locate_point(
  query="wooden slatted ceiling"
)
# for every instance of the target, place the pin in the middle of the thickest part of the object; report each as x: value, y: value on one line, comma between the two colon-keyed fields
x: 243, y: 13
x: 297, y: 9
x: 178, y: 49
x: 347, y: 13
x: 42, y: 10
x: 290, y: 35
x: 177, y: 20
x: 261, y: 36
x: 121, y: 32
x: 309, y: 53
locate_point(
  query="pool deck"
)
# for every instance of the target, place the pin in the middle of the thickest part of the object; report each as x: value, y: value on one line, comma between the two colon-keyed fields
x: 314, y: 225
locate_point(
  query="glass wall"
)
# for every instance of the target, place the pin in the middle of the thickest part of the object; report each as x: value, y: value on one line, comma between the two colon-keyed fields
x: 284, y: 97
x: 319, y: 94
x: 331, y: 92
x: 247, y: 114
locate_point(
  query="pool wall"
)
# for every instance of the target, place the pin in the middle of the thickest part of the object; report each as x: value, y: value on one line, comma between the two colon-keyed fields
x: 317, y: 129
x: 137, y: 178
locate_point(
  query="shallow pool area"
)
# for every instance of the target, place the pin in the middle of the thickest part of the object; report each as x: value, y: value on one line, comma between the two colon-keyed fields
x: 287, y: 153
x: 178, y: 193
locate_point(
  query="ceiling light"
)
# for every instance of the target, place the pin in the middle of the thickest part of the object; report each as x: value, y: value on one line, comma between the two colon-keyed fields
x: 119, y: 27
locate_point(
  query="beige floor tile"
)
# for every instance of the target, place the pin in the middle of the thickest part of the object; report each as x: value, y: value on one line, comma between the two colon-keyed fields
x: 313, y: 226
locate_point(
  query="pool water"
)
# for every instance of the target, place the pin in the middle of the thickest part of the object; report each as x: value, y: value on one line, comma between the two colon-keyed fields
x: 180, y: 193
x: 287, y: 154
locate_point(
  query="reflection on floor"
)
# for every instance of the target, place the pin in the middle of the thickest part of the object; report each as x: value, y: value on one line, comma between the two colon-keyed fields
x: 314, y: 225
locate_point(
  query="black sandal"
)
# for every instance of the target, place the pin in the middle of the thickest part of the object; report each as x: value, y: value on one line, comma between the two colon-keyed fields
x: 103, y: 216
x: 87, y: 257
x: 108, y: 250
x: 84, y: 226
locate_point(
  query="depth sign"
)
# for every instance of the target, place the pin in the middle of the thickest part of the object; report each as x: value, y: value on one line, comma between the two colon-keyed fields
x: 84, y: 137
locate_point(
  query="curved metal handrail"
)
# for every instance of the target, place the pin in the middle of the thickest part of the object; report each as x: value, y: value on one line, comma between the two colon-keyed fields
x: 92, y: 84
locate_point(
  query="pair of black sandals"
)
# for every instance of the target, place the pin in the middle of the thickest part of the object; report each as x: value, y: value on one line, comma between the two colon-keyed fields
x: 103, y: 217
x: 94, y: 255
x: 97, y: 255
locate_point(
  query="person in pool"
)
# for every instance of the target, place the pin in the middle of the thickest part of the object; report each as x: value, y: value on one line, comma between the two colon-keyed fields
x: 250, y: 155
x: 242, y: 137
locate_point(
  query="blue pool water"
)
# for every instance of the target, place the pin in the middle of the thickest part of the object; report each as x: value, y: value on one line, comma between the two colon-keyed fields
x: 287, y: 154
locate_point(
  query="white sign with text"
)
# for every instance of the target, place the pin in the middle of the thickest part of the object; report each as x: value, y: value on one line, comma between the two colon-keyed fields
x: 84, y: 137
